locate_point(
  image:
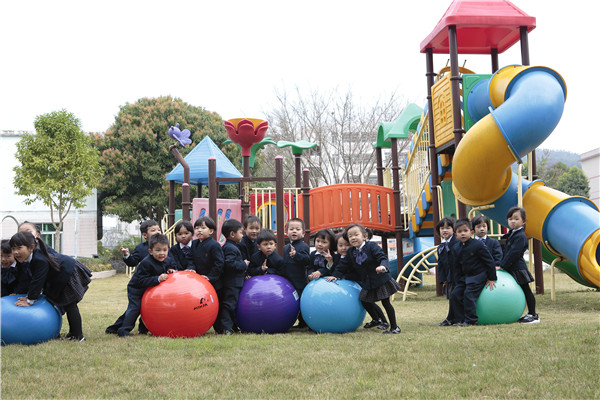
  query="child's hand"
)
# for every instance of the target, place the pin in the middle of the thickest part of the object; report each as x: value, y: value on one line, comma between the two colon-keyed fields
x: 22, y: 302
x: 331, y: 278
x: 125, y: 251
x: 498, y: 268
x: 247, y: 277
x: 264, y: 266
x: 490, y: 284
x: 171, y: 270
x: 292, y: 251
x: 328, y: 257
x: 314, y: 275
x: 206, y: 277
x: 247, y: 262
x: 162, y: 277
x: 381, y: 269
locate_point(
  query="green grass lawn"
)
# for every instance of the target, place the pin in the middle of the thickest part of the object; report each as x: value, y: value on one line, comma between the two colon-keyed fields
x: 556, y: 359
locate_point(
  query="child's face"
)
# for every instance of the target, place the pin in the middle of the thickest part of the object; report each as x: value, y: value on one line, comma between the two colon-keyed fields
x: 446, y: 232
x: 463, y: 233
x: 295, y: 231
x: 252, y: 230
x: 356, y: 237
x: 184, y: 236
x: 322, y: 244
x: 22, y: 253
x: 515, y: 221
x: 481, y: 229
x: 267, y: 247
x: 159, y: 251
x: 7, y: 259
x: 237, y: 235
x: 342, y: 246
x: 203, y: 232
x: 152, y: 230
x: 29, y: 228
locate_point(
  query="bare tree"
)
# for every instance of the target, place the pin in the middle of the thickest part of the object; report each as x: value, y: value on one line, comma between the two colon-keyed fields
x: 344, y: 130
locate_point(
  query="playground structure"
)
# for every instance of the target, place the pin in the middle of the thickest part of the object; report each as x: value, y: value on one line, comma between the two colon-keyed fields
x: 464, y: 141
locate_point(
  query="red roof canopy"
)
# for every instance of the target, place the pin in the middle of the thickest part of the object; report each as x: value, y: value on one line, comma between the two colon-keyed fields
x: 480, y: 27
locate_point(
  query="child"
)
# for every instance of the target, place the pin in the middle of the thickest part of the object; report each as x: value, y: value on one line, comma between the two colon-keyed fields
x: 9, y: 269
x: 475, y: 262
x: 445, y: 267
x: 513, y: 263
x: 150, y: 272
x: 181, y: 252
x: 321, y: 260
x: 266, y: 260
x: 480, y: 225
x: 373, y: 266
x: 377, y: 316
x: 207, y: 252
x: 34, y: 229
x: 61, y: 278
x: 233, y: 276
x: 296, y: 257
x: 148, y: 229
x: 252, y: 226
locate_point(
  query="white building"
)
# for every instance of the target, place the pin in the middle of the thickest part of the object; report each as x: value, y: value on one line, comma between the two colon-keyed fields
x: 79, y: 236
x: 590, y: 164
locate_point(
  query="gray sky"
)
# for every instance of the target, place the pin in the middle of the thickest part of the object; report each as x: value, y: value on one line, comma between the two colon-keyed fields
x: 231, y: 56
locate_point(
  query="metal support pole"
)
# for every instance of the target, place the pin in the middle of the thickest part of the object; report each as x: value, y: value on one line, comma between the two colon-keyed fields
x: 212, y: 192
x: 279, y: 204
x: 306, y: 205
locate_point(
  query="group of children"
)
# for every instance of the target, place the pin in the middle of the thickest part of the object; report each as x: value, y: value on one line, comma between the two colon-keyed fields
x: 467, y: 264
x: 31, y: 267
x: 249, y: 251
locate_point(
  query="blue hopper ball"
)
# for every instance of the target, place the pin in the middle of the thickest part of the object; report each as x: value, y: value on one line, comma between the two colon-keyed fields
x: 28, y: 325
x: 504, y: 304
x: 332, y: 307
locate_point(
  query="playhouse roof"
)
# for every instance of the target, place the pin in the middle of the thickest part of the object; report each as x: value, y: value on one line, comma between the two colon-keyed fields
x: 480, y: 27
x: 197, y: 159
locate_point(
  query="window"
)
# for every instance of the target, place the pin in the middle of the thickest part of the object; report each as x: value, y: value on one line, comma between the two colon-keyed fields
x: 48, y: 234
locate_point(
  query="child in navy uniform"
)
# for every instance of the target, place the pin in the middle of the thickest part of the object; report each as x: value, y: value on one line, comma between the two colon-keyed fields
x: 513, y: 263
x: 207, y: 252
x: 321, y: 259
x: 377, y: 316
x: 9, y: 269
x: 478, y: 270
x: 150, y: 272
x: 296, y: 257
x: 181, y: 252
x: 148, y: 229
x: 63, y: 280
x: 445, y: 271
x: 373, y: 266
x: 480, y: 226
x: 252, y: 226
x: 233, y: 276
x: 266, y: 260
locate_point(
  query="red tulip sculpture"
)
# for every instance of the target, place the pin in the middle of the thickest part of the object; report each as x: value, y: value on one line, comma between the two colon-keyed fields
x: 246, y: 132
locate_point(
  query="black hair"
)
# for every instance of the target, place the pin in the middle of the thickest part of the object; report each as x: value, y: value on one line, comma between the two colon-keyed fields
x: 206, y: 220
x: 230, y: 225
x: 330, y: 236
x: 296, y: 220
x: 6, y: 249
x: 359, y: 226
x: 265, y: 235
x: 147, y: 224
x: 461, y: 222
x: 251, y: 219
x: 35, y: 226
x: 514, y: 210
x: 157, y: 238
x: 27, y: 239
x: 479, y: 219
x: 449, y: 221
x: 183, y: 224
